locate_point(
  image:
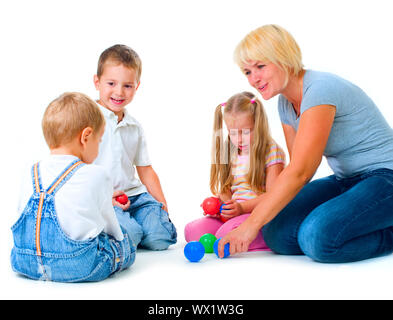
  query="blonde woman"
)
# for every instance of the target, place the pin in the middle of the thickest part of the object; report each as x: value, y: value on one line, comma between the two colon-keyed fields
x: 244, y: 166
x: 341, y: 218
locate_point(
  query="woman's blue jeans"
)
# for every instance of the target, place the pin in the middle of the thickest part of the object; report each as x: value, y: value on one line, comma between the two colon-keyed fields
x: 337, y: 220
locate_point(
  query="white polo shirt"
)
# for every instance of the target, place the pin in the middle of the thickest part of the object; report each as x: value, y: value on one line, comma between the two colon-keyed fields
x: 123, y: 147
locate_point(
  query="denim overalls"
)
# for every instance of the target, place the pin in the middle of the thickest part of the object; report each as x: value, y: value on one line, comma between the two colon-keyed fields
x: 43, y: 251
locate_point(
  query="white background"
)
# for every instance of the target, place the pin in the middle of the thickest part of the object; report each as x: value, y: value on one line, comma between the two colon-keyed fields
x: 49, y: 47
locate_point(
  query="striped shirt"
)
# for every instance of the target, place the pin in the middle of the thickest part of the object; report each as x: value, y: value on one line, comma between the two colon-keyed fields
x: 241, y: 189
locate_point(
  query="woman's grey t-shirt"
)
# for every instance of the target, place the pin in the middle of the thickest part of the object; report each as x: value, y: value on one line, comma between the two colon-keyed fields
x: 360, y: 139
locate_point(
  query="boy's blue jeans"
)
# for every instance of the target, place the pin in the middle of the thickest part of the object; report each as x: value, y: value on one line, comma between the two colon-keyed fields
x: 337, y: 220
x: 146, y: 223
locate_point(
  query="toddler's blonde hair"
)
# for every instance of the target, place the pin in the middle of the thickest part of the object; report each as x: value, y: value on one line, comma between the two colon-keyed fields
x: 67, y: 116
x: 270, y: 43
x: 224, y: 153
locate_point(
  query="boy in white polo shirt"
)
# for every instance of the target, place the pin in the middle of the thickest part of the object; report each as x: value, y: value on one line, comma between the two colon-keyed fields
x: 123, y: 148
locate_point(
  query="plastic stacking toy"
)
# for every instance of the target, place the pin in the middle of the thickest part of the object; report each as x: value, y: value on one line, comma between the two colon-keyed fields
x: 194, y: 251
x: 207, y: 241
x: 226, y: 249
x: 211, y: 205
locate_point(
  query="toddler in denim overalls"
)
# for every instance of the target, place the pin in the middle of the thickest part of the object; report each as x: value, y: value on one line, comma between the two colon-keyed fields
x: 49, y: 248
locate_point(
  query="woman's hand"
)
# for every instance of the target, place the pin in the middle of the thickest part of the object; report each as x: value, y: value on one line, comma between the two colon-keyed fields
x: 239, y: 239
x: 231, y: 209
x: 117, y: 193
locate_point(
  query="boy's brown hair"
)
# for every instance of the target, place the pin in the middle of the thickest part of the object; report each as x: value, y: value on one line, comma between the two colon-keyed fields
x: 67, y: 116
x: 120, y: 54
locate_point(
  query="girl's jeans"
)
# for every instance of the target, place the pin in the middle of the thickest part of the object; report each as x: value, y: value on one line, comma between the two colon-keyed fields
x: 337, y: 220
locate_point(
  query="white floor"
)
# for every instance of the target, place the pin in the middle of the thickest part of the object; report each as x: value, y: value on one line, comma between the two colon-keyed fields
x: 169, y: 275
x: 182, y: 83
x: 263, y: 275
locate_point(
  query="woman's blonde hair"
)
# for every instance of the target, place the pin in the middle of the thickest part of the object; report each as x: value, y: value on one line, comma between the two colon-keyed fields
x: 224, y: 152
x: 67, y: 116
x: 270, y: 43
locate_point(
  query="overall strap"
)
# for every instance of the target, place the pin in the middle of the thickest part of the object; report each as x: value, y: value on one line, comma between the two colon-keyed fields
x: 37, y: 186
x: 54, y: 187
x: 38, y: 189
x: 63, y: 177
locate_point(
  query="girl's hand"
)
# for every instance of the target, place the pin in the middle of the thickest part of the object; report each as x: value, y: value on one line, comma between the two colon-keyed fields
x: 231, y: 209
x: 217, y: 215
x: 117, y: 193
x: 239, y: 239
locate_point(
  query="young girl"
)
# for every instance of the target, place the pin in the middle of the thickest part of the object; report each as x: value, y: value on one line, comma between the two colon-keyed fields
x: 243, y: 167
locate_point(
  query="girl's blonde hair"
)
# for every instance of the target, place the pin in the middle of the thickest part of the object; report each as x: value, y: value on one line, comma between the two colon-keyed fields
x: 270, y: 43
x: 67, y: 116
x: 224, y: 152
